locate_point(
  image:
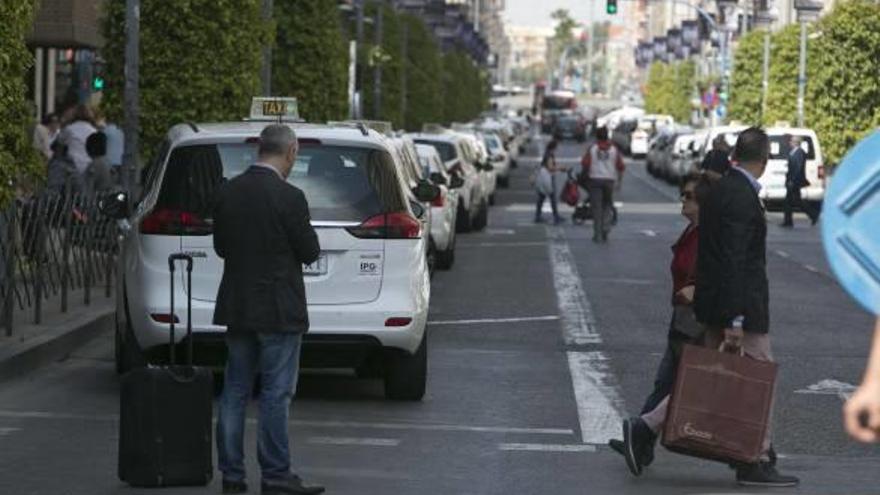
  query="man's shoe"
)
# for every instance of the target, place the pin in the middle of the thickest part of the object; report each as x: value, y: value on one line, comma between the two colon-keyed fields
x: 814, y: 220
x: 291, y: 486
x: 619, y: 447
x: 637, y: 438
x: 763, y: 474
x: 234, y: 486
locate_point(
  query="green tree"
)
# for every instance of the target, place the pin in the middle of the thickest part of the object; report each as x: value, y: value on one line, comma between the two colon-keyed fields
x: 466, y: 88
x: 424, y: 69
x: 843, y: 93
x: 783, y: 76
x: 683, y: 87
x: 310, y: 58
x: 18, y: 160
x: 200, y: 61
x: 563, y: 34
x: 389, y: 57
x: 745, y: 85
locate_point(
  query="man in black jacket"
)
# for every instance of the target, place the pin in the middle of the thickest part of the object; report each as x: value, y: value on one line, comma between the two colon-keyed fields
x: 732, y: 296
x: 262, y: 230
x: 795, y: 180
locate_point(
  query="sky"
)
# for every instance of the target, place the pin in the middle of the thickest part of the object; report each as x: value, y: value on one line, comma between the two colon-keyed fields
x: 537, y: 12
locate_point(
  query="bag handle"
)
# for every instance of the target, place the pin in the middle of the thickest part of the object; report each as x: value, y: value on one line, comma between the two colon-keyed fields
x: 172, y: 259
x: 725, y: 347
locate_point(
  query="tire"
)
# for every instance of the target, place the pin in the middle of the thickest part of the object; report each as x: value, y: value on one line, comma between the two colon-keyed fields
x: 513, y: 164
x: 492, y: 199
x: 504, y: 182
x: 431, y: 258
x: 127, y: 353
x: 406, y: 375
x: 482, y: 219
x: 463, y: 219
x: 445, y: 259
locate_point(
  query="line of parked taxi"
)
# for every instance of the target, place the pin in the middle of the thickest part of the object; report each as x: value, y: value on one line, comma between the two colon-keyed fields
x: 387, y: 207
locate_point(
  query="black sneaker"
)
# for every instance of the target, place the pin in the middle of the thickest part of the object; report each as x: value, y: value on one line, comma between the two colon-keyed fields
x: 763, y: 474
x: 637, y: 438
x: 291, y: 486
x: 619, y: 447
x: 234, y: 486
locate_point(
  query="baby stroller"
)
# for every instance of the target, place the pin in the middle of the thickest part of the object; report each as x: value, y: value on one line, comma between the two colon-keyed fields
x: 583, y: 212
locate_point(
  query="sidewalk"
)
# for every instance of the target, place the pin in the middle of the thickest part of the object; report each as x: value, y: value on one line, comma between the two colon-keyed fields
x: 32, y: 346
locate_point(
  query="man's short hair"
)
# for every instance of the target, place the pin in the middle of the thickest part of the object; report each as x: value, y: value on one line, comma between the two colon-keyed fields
x: 752, y: 146
x: 276, y: 139
x: 602, y: 133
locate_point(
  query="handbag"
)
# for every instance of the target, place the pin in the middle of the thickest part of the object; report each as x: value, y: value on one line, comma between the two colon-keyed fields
x: 571, y: 193
x: 720, y: 406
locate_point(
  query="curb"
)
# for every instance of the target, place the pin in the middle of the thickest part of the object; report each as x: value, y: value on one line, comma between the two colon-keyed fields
x: 53, y: 344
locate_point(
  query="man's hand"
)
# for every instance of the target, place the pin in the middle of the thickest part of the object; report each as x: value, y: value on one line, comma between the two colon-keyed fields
x: 861, y: 413
x: 685, y: 295
x: 733, y: 337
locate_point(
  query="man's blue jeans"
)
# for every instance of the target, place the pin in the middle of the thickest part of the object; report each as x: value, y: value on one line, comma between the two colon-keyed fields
x: 275, y: 356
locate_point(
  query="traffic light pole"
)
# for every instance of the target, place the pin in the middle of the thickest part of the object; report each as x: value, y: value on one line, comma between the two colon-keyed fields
x: 131, y: 95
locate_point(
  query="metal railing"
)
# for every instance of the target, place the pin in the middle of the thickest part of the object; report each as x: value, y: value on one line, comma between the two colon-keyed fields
x: 53, y: 246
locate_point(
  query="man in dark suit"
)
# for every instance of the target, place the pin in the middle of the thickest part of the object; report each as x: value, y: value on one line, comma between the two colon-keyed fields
x: 732, y: 297
x: 262, y: 230
x: 795, y: 180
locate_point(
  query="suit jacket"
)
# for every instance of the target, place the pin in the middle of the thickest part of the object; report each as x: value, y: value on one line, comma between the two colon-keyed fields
x: 732, y: 263
x: 796, y: 176
x: 263, y: 232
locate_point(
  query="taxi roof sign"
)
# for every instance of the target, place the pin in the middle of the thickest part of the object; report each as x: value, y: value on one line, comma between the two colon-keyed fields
x: 274, y: 108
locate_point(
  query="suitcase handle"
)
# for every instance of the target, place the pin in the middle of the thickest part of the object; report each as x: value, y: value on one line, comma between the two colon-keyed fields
x: 172, y: 259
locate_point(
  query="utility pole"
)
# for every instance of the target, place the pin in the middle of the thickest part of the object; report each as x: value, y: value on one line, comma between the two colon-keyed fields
x: 477, y: 16
x: 590, y: 34
x: 377, y: 68
x: 359, y: 40
x: 802, y: 74
x: 404, y: 73
x: 266, y: 70
x: 131, y: 95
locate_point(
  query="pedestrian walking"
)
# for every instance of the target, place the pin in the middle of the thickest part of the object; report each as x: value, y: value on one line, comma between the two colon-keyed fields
x: 45, y: 134
x: 75, y: 134
x: 683, y: 329
x: 795, y: 180
x: 716, y: 163
x: 545, y: 183
x: 262, y: 230
x: 732, y: 296
x: 602, y: 170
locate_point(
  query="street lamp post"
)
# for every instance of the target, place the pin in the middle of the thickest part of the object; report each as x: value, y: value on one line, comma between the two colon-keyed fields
x: 131, y: 94
x: 807, y: 11
x: 727, y: 8
x: 764, y: 19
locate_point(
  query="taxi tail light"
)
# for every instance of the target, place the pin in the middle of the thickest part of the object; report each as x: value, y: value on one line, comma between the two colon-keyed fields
x: 439, y: 201
x: 821, y: 171
x: 166, y: 221
x: 164, y: 318
x: 398, y: 322
x: 388, y: 226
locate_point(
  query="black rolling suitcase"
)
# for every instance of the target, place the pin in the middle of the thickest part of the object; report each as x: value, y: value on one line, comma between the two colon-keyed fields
x: 165, y: 415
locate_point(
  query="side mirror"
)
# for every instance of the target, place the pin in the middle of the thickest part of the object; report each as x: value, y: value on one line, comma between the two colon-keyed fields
x: 438, y: 178
x: 418, y: 209
x: 425, y: 191
x: 456, y: 182
x: 115, y: 205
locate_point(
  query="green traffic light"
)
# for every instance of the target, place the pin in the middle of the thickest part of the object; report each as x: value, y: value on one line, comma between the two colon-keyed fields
x: 98, y: 83
x: 611, y: 7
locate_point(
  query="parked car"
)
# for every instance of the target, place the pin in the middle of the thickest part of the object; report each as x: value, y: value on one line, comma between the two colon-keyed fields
x: 473, y: 205
x: 368, y: 293
x: 499, y: 158
x: 413, y: 175
x: 443, y: 207
x: 657, y: 157
x: 773, y: 180
x: 681, y: 157
x: 475, y: 149
x: 647, y: 128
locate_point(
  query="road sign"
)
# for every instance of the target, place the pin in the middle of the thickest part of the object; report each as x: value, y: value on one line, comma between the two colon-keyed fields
x: 850, y: 220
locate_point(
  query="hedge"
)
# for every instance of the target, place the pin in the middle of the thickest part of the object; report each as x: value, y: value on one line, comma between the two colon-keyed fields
x: 783, y: 76
x: 669, y: 89
x: 200, y: 62
x: 746, y: 81
x: 424, y: 99
x: 310, y: 59
x: 18, y: 160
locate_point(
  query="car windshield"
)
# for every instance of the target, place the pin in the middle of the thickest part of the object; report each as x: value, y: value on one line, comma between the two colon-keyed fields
x: 340, y: 183
x: 446, y: 150
x: 780, y: 147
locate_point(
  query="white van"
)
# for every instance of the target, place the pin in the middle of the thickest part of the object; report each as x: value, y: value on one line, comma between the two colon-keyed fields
x: 773, y: 180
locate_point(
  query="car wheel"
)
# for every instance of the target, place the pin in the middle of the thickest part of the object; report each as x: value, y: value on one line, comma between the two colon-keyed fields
x: 406, y: 375
x: 482, y: 217
x: 463, y: 219
x: 504, y: 182
x: 126, y: 351
x: 431, y: 257
x: 445, y: 259
x: 513, y: 163
x: 492, y: 199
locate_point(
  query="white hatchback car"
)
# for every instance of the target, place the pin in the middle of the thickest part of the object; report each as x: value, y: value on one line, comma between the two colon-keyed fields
x: 368, y: 293
x: 499, y: 157
x: 443, y: 214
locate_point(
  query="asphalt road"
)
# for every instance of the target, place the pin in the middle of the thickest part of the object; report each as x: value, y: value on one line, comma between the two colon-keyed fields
x: 540, y: 343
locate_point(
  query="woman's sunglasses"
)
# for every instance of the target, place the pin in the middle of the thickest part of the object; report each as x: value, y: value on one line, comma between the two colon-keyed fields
x: 688, y: 196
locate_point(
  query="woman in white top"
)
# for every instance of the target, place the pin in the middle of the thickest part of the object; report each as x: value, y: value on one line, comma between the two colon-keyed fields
x: 75, y: 135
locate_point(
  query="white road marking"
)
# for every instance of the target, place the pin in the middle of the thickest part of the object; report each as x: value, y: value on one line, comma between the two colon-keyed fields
x: 383, y: 474
x: 363, y: 442
x: 651, y: 208
x: 648, y: 233
x: 543, y: 447
x: 829, y: 387
x: 811, y: 268
x: 321, y: 424
x: 6, y: 431
x: 625, y: 281
x: 782, y: 254
x: 494, y: 320
x: 500, y: 231
x: 598, y: 401
x: 499, y: 244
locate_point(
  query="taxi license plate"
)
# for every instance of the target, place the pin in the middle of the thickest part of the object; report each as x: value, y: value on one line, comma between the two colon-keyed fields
x: 317, y: 268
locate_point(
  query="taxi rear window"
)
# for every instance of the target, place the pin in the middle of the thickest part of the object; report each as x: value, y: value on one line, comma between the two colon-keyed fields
x: 780, y: 148
x: 446, y: 150
x: 341, y: 183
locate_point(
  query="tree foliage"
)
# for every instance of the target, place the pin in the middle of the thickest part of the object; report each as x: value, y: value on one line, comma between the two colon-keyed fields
x: 18, y: 160
x: 465, y: 88
x: 563, y: 33
x: 389, y: 58
x: 843, y: 92
x: 746, y: 82
x: 424, y: 95
x: 669, y: 89
x: 200, y: 61
x: 783, y: 76
x: 310, y: 58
